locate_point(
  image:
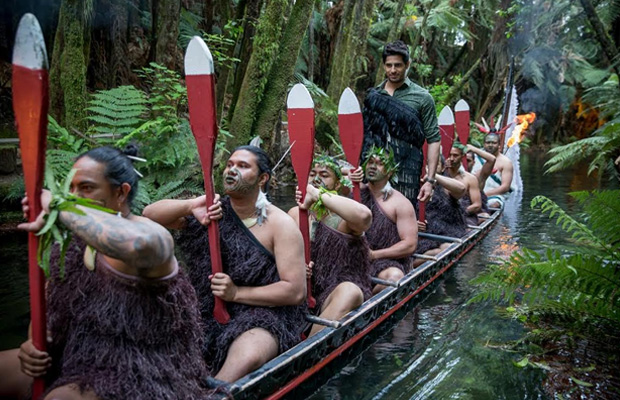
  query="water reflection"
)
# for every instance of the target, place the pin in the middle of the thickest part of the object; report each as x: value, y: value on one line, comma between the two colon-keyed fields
x: 446, y: 348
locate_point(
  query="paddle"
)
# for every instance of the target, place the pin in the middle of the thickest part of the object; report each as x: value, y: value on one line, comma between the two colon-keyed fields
x: 30, y: 103
x: 351, y: 128
x: 202, y: 116
x: 421, y: 204
x: 301, y: 132
x: 461, y: 115
x: 446, y: 129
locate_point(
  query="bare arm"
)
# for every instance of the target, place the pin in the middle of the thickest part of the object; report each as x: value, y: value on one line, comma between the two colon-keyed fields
x: 455, y: 188
x: 356, y: 215
x: 487, y: 167
x: 474, y: 195
x: 172, y: 213
x: 506, y: 180
x: 431, y: 162
x: 407, y: 231
x: 137, y: 242
x: 290, y: 289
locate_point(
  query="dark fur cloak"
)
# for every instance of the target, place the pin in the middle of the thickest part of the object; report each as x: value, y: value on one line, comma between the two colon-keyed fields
x: 247, y: 263
x: 390, y: 122
x: 383, y: 233
x: 122, y: 338
x: 444, y: 216
x: 338, y: 257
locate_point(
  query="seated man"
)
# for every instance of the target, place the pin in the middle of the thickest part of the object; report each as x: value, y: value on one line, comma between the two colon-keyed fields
x: 393, y: 235
x: 122, y: 318
x: 444, y: 215
x: 482, y: 174
x: 471, y: 201
x: 340, y: 276
x: 264, y: 278
x: 499, y: 186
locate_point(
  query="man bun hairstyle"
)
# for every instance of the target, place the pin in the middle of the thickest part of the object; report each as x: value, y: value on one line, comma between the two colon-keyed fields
x: 396, y: 48
x: 262, y: 159
x: 118, y: 167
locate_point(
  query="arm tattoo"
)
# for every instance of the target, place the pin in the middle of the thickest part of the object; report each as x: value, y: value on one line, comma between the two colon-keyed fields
x: 137, y: 243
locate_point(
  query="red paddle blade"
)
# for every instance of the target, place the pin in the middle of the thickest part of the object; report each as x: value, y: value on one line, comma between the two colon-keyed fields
x: 446, y: 129
x: 30, y: 103
x: 351, y: 127
x: 301, y: 132
x: 201, y: 100
x: 461, y: 116
x: 202, y: 117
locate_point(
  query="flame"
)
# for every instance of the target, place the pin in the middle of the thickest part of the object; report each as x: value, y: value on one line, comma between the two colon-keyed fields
x: 518, y: 133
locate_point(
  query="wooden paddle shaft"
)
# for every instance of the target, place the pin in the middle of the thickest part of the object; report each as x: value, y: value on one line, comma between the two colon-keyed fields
x: 201, y: 93
x: 30, y: 102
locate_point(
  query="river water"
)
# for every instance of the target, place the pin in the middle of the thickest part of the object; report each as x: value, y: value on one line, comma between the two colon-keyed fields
x: 442, y: 349
x: 446, y: 348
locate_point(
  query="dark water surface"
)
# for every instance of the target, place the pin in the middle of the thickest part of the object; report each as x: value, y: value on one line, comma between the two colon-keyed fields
x: 446, y: 349
x: 442, y: 349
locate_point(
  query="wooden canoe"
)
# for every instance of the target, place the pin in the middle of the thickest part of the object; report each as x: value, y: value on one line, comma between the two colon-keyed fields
x: 285, y: 374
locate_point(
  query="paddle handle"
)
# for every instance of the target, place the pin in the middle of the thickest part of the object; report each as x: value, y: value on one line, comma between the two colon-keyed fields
x: 219, y: 310
x: 357, y: 195
x: 422, y: 205
x: 304, y: 226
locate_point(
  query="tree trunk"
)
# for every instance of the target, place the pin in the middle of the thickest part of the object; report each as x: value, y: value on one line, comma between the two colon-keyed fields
x: 339, y: 55
x: 350, y: 47
x: 69, y: 65
x: 244, y: 52
x: 266, y: 43
x: 393, y: 34
x: 456, y: 89
x: 608, y: 46
x: 166, y: 27
x: 225, y: 71
x: 282, y: 70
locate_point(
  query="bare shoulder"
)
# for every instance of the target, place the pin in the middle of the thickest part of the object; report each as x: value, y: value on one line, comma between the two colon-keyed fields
x: 284, y: 221
x: 294, y: 213
x: 400, y: 202
x: 471, y: 178
x: 502, y: 161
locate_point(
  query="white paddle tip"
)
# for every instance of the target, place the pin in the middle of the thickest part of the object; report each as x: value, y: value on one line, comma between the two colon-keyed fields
x: 461, y: 105
x: 348, y: 103
x: 299, y: 97
x: 198, y: 59
x: 29, y: 50
x: 445, y: 116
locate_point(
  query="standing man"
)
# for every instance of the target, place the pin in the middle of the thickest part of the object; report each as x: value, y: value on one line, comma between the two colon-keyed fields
x: 400, y: 115
x: 498, y: 186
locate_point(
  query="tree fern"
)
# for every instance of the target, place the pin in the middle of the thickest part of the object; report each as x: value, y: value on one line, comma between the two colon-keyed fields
x: 118, y: 111
x: 578, y: 288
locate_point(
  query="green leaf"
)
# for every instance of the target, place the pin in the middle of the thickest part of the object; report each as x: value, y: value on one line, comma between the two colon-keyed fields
x: 580, y: 382
x: 522, y: 363
x: 50, y: 221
